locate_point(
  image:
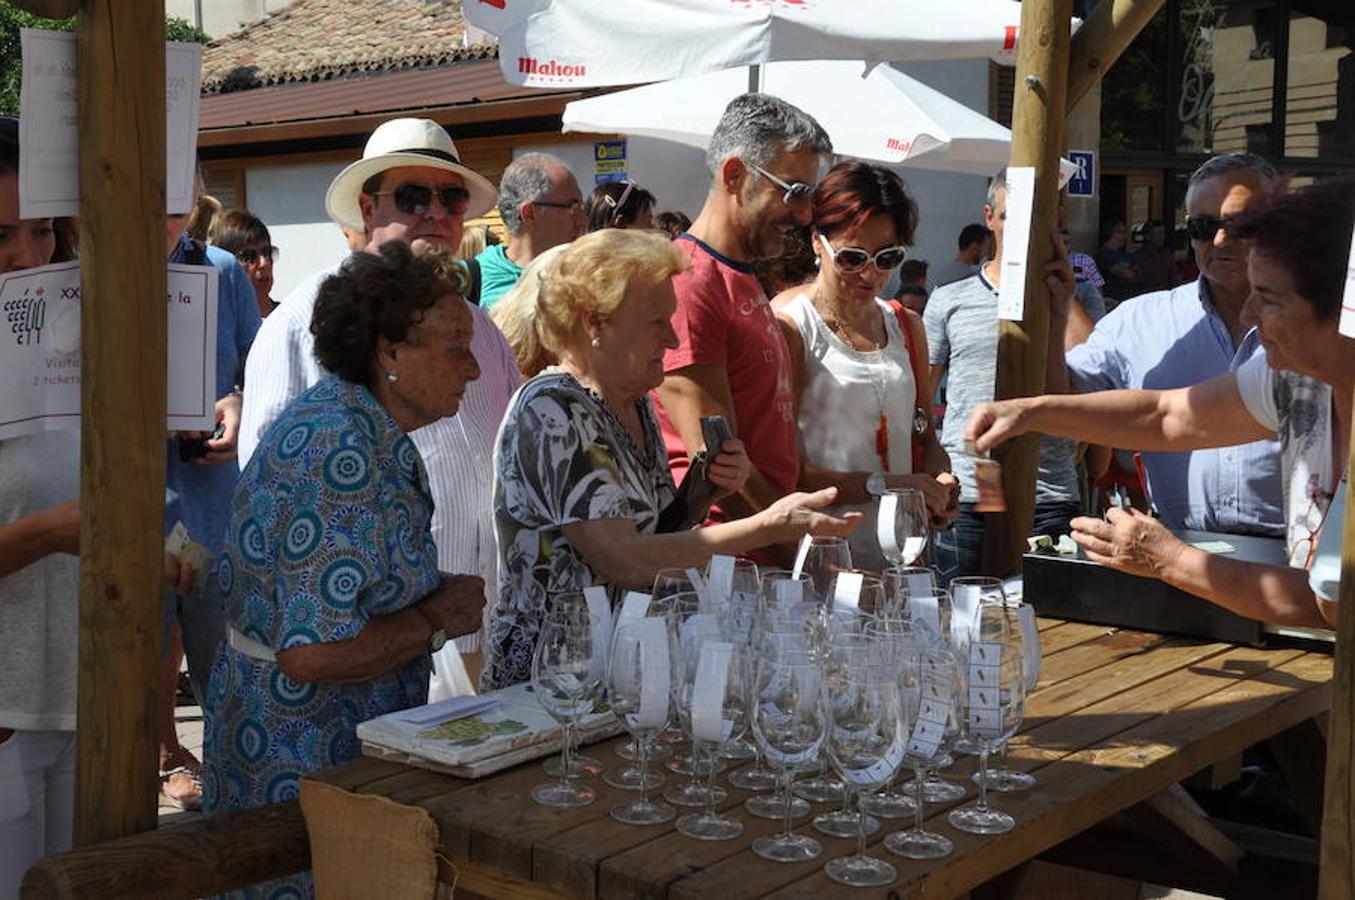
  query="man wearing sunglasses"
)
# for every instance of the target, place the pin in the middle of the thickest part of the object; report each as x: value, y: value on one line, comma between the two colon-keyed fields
x: 408, y: 186
x: 542, y: 207
x: 1185, y: 336
x: 763, y: 160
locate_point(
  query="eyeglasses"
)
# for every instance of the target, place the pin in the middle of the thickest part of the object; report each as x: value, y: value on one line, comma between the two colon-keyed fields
x: 1301, y: 556
x: 619, y: 202
x: 1203, y: 228
x: 417, y: 199
x: 796, y: 193
x: 574, y: 206
x: 854, y: 259
x: 250, y: 257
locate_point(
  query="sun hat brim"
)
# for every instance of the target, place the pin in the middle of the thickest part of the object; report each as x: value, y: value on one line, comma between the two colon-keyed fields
x: 341, y: 200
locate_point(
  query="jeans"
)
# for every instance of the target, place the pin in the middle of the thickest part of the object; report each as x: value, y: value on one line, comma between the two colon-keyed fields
x: 959, y: 551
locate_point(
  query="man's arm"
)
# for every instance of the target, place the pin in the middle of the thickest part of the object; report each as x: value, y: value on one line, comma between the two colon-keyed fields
x: 699, y: 390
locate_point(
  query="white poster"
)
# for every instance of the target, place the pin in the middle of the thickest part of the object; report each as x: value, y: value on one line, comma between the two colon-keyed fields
x: 40, y: 360
x: 49, y: 176
x: 1011, y: 297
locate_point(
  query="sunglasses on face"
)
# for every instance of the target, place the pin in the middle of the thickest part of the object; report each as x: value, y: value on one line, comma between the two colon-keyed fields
x: 795, y: 194
x: 250, y: 257
x: 417, y: 199
x: 854, y: 259
x: 1203, y: 228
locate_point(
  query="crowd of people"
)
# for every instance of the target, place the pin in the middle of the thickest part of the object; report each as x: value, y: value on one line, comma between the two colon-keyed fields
x: 421, y: 445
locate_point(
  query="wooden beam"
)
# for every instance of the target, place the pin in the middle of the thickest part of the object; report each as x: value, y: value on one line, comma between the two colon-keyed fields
x: 122, y: 395
x: 1338, y: 814
x: 206, y: 856
x: 1105, y: 34
x: 1039, y: 122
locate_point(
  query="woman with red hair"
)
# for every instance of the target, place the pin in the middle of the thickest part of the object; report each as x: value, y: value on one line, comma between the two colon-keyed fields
x: 860, y: 361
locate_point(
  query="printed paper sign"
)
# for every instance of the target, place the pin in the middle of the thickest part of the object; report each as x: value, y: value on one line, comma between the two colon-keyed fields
x: 49, y: 177
x: 1011, y: 298
x: 40, y: 365
x: 708, y: 692
x: 884, y: 526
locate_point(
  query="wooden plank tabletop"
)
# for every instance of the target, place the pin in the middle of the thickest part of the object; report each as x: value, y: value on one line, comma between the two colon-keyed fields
x: 1118, y: 717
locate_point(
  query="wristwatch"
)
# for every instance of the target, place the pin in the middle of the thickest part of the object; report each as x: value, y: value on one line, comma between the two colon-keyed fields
x: 438, y: 638
x: 875, y: 484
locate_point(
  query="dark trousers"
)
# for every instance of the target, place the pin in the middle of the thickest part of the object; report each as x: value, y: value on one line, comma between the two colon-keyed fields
x: 959, y: 551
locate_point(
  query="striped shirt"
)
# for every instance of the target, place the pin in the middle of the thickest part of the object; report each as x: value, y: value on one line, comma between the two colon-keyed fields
x: 458, y: 452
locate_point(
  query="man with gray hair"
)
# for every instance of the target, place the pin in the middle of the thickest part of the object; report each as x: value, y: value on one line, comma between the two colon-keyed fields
x: 1176, y: 338
x: 542, y: 207
x: 732, y: 360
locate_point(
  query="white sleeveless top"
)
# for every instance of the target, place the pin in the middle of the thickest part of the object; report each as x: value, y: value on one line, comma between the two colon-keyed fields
x: 844, y: 392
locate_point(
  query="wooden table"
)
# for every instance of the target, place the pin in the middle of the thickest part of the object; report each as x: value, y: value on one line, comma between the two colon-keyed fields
x: 1118, y: 718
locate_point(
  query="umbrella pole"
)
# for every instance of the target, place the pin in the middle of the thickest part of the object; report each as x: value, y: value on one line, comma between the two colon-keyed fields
x: 1337, y: 874
x: 1039, y: 123
x: 754, y: 79
x: 122, y: 395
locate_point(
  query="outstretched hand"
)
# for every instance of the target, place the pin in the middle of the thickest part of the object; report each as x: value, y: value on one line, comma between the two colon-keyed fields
x: 795, y: 515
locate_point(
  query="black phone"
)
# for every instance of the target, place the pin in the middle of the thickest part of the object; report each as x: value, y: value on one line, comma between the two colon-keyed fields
x: 191, y: 448
x: 716, y: 431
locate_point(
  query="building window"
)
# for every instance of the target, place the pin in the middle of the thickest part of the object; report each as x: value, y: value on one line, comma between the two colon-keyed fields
x: 1320, y: 80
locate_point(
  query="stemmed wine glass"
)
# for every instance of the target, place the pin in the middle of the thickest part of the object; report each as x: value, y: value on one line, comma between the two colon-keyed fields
x: 967, y: 595
x: 575, y: 764
x: 897, y: 642
x: 992, y: 706
x: 566, y: 678
x: 640, y: 683
x: 740, y: 611
x: 1026, y: 637
x: 865, y: 744
x: 714, y: 692
x: 849, y: 650
x: 929, y: 693
x: 901, y: 527
x: 691, y: 627
x: 790, y: 725
x: 824, y: 557
x: 784, y: 636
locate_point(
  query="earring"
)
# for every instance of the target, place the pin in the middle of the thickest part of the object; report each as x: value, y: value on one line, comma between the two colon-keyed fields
x: 392, y: 377
x: 596, y: 343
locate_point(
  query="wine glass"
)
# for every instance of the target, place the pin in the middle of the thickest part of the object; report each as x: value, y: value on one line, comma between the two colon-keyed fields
x: 741, y: 587
x: 784, y: 637
x: 967, y: 594
x: 900, y: 581
x: 929, y: 695
x: 821, y: 558
x: 1026, y: 636
x: 575, y: 764
x: 691, y: 627
x: 901, y: 527
x: 638, y: 776
x: 640, y: 687
x: 671, y: 581
x: 857, y: 590
x: 566, y: 677
x: 897, y: 642
x: 992, y: 706
x: 715, y: 693
x: 789, y: 724
x: 865, y: 743
x: 848, y: 651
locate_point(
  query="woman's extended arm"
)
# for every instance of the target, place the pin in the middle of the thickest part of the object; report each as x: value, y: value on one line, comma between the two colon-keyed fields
x: 29, y: 538
x: 620, y: 555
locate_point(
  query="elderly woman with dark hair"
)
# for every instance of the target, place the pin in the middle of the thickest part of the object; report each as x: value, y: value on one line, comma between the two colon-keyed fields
x: 1301, y: 389
x: 329, y: 577
x: 583, y: 494
x: 244, y: 235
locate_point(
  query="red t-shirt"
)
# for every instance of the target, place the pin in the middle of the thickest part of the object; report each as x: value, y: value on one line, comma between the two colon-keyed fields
x: 723, y: 319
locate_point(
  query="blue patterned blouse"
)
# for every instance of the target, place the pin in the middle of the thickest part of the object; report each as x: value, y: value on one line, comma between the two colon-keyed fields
x: 328, y: 530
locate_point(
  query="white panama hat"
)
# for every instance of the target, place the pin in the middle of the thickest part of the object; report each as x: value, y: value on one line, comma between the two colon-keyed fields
x: 404, y: 142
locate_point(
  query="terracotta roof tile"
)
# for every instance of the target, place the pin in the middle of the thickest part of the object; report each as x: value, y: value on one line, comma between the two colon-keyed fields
x: 316, y: 40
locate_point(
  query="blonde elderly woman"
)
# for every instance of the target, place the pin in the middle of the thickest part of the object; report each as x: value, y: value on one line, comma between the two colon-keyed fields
x: 582, y: 476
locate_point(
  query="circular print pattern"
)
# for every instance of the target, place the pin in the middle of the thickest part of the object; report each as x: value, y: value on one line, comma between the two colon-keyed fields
x: 295, y: 440
x: 302, y: 537
x: 346, y: 470
x: 340, y: 583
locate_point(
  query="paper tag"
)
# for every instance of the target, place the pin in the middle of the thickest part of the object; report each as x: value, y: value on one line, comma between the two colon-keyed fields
x: 923, y: 610
x: 847, y: 590
x: 635, y: 605
x: 919, y: 582
x: 790, y: 592
x: 1348, y: 300
x: 964, y: 604
x: 801, y: 555
x: 883, y: 768
x: 705, y: 600
x: 720, y: 576
x: 1011, y: 299
x: 985, y: 723
x: 1030, y: 645
x: 708, y: 691
x: 655, y: 668
x: 600, y: 607
x: 448, y: 710
x: 176, y: 539
x: 697, y: 628
x: 884, y: 526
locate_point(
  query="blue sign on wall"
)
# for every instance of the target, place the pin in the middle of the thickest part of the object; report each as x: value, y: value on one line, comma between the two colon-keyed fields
x: 1083, y: 183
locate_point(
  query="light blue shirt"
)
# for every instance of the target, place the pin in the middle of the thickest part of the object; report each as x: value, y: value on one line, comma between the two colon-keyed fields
x: 1172, y: 339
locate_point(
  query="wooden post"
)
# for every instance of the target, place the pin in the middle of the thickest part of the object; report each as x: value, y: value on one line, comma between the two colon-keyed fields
x: 1039, y: 120
x: 1110, y: 28
x: 1337, y: 878
x: 122, y: 456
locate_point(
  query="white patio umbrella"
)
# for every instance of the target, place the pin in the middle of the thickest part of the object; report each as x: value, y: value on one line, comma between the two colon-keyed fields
x: 885, y: 116
x: 586, y: 43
